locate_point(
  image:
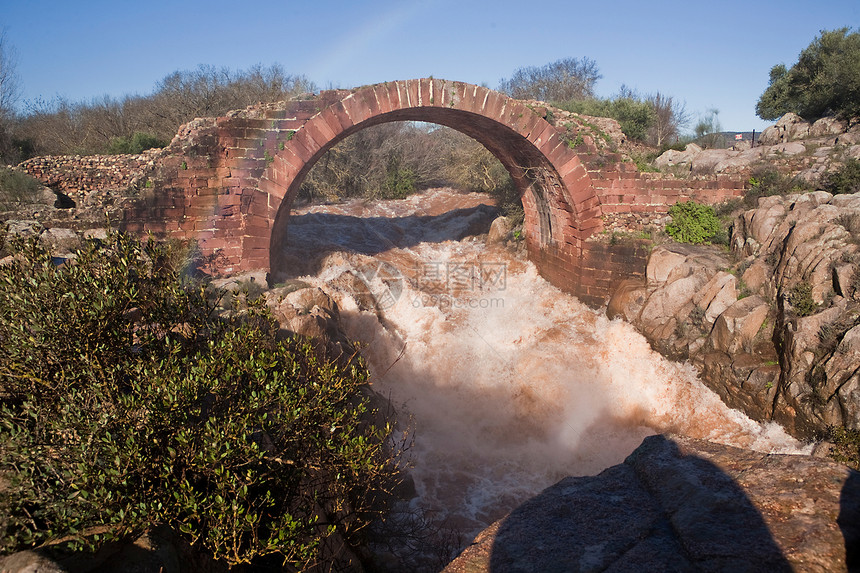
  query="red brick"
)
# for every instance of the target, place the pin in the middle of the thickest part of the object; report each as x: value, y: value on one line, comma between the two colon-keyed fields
x: 540, y: 134
x: 318, y: 132
x: 367, y: 98
x: 250, y: 164
x: 255, y: 241
x: 493, y: 105
x: 464, y: 93
x: 356, y: 108
x: 333, y: 120
x: 303, y: 139
x: 296, y: 154
x: 413, y: 90
x: 383, y: 96
x: 199, y: 211
x: 474, y: 102
x: 573, y: 168
x: 524, y: 120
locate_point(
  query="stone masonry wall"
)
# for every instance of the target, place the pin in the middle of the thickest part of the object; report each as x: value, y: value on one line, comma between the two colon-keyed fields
x: 76, y: 175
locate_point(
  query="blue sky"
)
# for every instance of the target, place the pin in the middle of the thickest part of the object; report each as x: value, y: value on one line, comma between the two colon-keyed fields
x: 707, y: 54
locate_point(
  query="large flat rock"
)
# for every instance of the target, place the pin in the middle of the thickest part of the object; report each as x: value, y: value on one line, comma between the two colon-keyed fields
x: 680, y: 504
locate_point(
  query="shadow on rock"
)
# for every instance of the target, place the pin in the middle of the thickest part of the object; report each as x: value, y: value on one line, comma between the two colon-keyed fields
x: 849, y: 520
x: 661, y: 510
x: 682, y: 504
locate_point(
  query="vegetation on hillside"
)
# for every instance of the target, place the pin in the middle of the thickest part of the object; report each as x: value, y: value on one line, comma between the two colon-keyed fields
x: 766, y: 181
x: 17, y: 189
x: 134, y: 123
x: 846, y: 179
x: 569, y: 84
x: 125, y: 402
x: 695, y: 223
x: 824, y: 81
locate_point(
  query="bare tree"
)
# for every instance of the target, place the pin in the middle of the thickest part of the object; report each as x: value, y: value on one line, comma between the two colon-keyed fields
x: 9, y: 81
x: 387, y: 161
x: 670, y: 117
x: 563, y: 80
x: 708, y: 130
x: 9, y: 94
x: 105, y: 124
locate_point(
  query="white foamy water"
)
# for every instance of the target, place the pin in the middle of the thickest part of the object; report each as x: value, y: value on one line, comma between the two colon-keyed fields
x: 509, y: 384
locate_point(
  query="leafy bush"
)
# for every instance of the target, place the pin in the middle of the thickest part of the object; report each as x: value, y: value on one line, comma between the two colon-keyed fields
x: 845, y: 180
x: 390, y: 160
x: 693, y: 222
x: 800, y: 298
x: 136, y: 144
x: 645, y: 162
x: 824, y: 81
x: 635, y: 116
x: 708, y: 130
x: 846, y: 445
x: 727, y: 208
x: 62, y: 127
x: 125, y: 403
x: 399, y: 179
x: 768, y: 181
x: 470, y: 166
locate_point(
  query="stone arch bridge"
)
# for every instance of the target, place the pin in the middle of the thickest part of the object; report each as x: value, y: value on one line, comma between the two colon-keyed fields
x: 230, y: 182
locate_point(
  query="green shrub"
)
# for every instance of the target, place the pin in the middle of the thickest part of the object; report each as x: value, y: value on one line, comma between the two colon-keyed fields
x: 16, y: 188
x: 680, y: 145
x: 800, y: 297
x: 508, y: 201
x: 694, y: 223
x: 846, y: 445
x: 845, y: 180
x: 635, y: 116
x: 399, y: 179
x: 124, y: 403
x: 727, y: 208
x: 134, y: 145
x: 645, y: 162
x: 767, y: 181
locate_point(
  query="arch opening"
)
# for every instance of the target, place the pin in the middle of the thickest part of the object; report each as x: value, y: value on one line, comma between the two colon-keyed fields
x: 535, y: 178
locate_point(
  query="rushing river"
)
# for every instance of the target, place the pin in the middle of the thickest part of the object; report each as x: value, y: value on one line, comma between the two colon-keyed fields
x: 508, y: 383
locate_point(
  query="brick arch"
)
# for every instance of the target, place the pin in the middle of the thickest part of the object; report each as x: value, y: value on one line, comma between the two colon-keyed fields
x: 228, y: 182
x: 561, y: 206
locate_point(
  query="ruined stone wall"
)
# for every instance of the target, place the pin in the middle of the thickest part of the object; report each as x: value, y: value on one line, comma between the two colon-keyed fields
x: 206, y: 185
x: 76, y: 175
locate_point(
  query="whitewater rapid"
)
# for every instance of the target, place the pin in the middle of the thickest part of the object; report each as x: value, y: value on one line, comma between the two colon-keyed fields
x: 506, y: 383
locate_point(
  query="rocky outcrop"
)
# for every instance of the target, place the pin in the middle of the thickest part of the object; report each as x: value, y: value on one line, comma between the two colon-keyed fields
x: 787, y: 128
x: 773, y: 325
x: 500, y: 230
x: 792, y: 127
x: 307, y: 311
x: 679, y: 504
x: 792, y: 145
